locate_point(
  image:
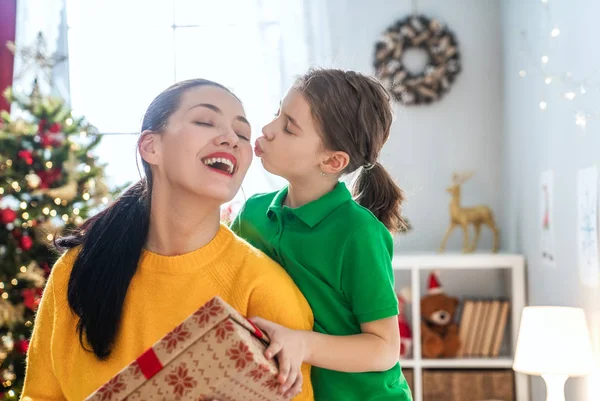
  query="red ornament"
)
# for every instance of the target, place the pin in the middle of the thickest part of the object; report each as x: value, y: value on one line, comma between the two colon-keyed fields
x: 55, y: 128
x: 42, y: 126
x: 16, y: 233
x: 48, y: 177
x: 23, y: 346
x: 49, y: 140
x: 7, y: 216
x: 27, y: 156
x: 31, y: 298
x: 46, y: 267
x: 25, y: 243
x: 434, y: 286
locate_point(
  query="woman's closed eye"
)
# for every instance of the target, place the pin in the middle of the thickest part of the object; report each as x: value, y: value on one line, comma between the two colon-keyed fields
x: 243, y: 136
x: 204, y: 123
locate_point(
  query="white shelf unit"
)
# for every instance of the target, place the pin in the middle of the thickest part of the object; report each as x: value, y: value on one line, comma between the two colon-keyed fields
x: 416, y: 268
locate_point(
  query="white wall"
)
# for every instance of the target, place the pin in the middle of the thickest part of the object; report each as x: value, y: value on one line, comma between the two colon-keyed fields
x: 462, y: 131
x: 536, y: 141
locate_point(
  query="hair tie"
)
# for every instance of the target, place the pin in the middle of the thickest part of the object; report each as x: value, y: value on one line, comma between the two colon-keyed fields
x: 369, y: 166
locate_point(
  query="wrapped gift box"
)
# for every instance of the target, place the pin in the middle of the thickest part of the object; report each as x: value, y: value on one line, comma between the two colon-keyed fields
x: 215, y: 354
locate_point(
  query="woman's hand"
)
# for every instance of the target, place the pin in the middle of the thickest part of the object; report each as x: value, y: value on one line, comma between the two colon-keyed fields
x: 290, y: 348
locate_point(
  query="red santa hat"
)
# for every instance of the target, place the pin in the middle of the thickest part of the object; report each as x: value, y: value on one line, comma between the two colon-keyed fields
x: 434, y: 286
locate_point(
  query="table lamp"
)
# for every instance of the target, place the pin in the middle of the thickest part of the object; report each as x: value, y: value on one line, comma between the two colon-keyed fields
x: 553, y: 342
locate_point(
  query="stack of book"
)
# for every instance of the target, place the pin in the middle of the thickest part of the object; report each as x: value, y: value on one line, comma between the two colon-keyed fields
x: 482, y: 327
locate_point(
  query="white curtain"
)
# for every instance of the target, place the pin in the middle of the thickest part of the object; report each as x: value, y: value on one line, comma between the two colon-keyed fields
x: 49, y: 18
x: 122, y: 53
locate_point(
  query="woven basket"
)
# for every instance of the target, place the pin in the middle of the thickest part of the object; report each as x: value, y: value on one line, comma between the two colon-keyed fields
x: 468, y: 385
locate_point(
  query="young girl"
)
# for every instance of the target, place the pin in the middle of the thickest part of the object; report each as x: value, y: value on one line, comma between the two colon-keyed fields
x: 158, y: 253
x: 335, y: 245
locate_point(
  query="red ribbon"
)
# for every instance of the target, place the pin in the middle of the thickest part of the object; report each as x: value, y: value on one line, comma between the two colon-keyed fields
x: 149, y: 364
x: 257, y: 331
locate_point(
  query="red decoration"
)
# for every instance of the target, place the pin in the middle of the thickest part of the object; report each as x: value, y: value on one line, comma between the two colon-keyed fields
x: 49, y: 140
x: 46, y: 267
x: 48, y: 177
x: 55, y: 128
x: 434, y: 286
x: 25, y: 243
x: 149, y: 364
x: 23, y: 346
x: 7, y: 216
x: 42, y: 126
x: 27, y: 156
x: 31, y: 298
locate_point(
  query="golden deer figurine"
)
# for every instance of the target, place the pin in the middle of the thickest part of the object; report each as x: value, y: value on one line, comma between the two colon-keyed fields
x: 464, y: 216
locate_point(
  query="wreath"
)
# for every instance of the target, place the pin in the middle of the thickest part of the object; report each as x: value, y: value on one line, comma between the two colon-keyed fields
x: 417, y: 32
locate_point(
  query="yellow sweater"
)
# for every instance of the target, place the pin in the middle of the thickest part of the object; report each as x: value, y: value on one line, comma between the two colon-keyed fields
x: 163, y: 292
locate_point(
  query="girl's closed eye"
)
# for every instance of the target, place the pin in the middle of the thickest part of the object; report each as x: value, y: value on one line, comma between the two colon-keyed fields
x: 204, y: 123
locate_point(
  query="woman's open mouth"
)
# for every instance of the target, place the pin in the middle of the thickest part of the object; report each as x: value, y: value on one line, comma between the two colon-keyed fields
x: 221, y: 162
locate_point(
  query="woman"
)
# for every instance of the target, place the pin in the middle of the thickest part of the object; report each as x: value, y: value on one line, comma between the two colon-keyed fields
x: 158, y: 253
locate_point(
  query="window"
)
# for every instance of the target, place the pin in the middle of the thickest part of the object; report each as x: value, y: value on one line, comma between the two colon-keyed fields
x: 124, y: 52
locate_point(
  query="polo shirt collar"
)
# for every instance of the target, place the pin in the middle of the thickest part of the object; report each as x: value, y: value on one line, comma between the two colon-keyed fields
x: 313, y: 212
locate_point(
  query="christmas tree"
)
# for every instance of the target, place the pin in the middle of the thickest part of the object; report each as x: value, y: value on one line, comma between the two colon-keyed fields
x: 50, y: 181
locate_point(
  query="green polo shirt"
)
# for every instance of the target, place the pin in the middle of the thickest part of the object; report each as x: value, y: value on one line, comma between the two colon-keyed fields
x: 339, y: 256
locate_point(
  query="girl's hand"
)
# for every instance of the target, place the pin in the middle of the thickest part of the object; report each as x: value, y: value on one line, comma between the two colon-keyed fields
x: 290, y: 348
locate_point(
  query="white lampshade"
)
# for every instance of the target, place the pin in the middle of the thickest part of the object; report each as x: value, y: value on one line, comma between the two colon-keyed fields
x: 553, y: 340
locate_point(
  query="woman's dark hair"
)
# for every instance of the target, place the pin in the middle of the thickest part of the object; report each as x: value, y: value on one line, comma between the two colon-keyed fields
x: 354, y: 114
x: 112, y: 242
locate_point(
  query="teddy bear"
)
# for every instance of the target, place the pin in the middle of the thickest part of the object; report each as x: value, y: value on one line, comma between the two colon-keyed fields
x: 439, y: 332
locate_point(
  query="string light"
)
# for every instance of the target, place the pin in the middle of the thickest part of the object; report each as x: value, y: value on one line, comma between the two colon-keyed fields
x: 23, y: 205
x: 64, y: 202
x: 569, y: 87
x: 25, y: 216
x: 1, y: 191
x: 105, y: 200
x: 1, y: 286
x: 87, y: 169
x: 23, y: 269
x: 4, y: 295
x: 15, y: 185
x: 580, y: 120
x: 83, y: 134
x: 48, y: 164
x: 14, y: 281
x: 53, y: 213
x: 50, y: 237
x: 86, y: 196
x: 9, y: 162
x: 46, y: 210
x: 65, y: 217
x: 69, y: 121
x: 76, y: 211
x: 57, y: 201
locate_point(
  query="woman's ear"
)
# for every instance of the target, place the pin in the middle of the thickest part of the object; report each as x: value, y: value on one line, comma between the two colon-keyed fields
x: 149, y: 147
